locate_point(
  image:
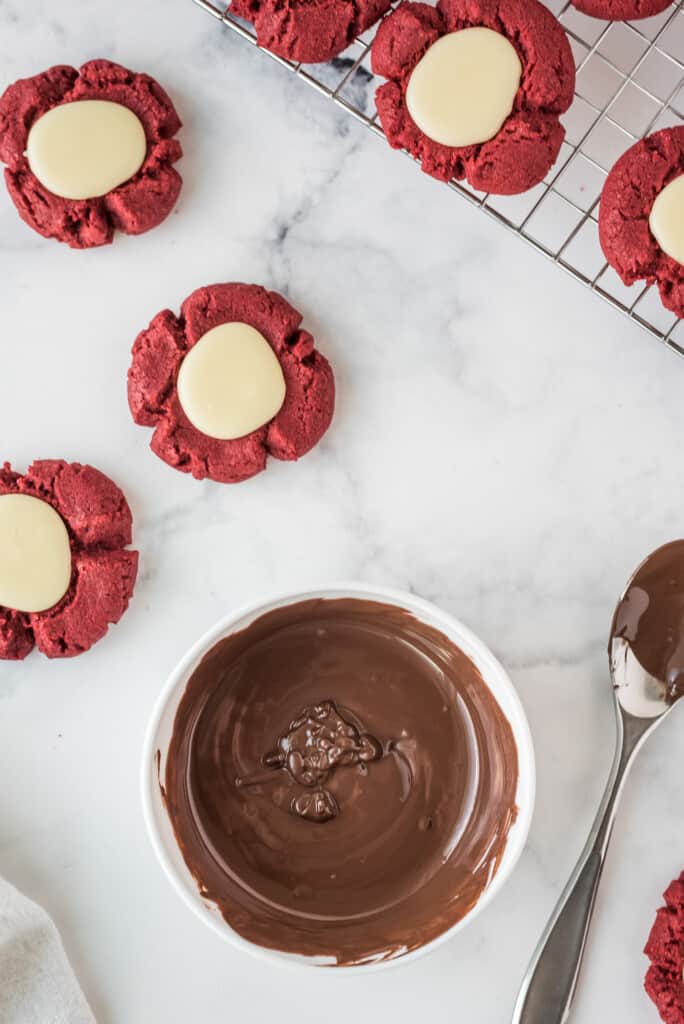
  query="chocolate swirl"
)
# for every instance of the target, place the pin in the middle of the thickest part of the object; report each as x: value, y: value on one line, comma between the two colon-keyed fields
x: 318, y: 741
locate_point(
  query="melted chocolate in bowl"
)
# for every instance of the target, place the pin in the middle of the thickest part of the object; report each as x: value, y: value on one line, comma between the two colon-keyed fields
x: 340, y: 780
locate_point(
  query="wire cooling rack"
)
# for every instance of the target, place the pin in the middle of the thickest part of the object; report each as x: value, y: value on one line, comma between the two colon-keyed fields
x: 630, y: 82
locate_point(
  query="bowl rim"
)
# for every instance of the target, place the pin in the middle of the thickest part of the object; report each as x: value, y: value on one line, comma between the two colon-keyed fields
x: 488, y: 665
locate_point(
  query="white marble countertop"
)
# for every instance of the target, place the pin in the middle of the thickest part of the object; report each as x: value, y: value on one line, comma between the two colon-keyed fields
x: 504, y: 444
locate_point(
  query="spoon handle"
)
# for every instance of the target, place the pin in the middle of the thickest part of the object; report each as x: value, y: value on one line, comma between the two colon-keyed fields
x: 551, y: 979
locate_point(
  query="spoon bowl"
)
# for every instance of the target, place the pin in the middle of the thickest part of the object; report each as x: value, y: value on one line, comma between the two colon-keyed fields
x: 647, y: 635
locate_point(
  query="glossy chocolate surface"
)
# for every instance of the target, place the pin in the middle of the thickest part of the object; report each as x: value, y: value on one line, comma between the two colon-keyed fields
x: 650, y: 617
x: 340, y: 780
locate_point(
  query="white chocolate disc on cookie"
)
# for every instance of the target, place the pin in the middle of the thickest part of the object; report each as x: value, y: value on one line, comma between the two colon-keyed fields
x: 87, y: 148
x: 35, y: 556
x: 230, y: 382
x: 666, y: 219
x: 463, y: 89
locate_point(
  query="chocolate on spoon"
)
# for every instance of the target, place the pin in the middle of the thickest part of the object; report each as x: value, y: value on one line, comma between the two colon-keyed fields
x: 646, y: 651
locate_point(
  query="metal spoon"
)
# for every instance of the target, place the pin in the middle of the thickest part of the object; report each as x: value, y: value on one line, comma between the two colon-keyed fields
x: 648, y: 622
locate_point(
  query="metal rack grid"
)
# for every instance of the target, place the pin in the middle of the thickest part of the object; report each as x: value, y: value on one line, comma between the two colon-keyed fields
x: 630, y: 82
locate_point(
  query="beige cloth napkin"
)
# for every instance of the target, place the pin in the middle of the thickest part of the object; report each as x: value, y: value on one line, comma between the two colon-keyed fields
x: 37, y: 984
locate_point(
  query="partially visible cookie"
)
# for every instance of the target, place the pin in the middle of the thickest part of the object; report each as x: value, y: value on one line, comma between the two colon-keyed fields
x: 309, y: 31
x: 65, y: 570
x: 643, y: 194
x: 520, y: 59
x: 90, y: 151
x: 621, y: 10
x: 229, y: 382
x: 665, y: 950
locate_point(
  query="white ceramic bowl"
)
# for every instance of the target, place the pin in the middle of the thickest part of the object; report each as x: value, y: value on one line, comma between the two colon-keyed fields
x: 161, y: 726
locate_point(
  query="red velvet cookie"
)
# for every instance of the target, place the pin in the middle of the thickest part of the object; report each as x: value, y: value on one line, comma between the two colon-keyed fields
x: 665, y: 950
x: 98, y: 523
x: 629, y: 193
x: 135, y: 206
x: 621, y: 10
x: 160, y: 351
x: 309, y: 31
x: 526, y: 146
